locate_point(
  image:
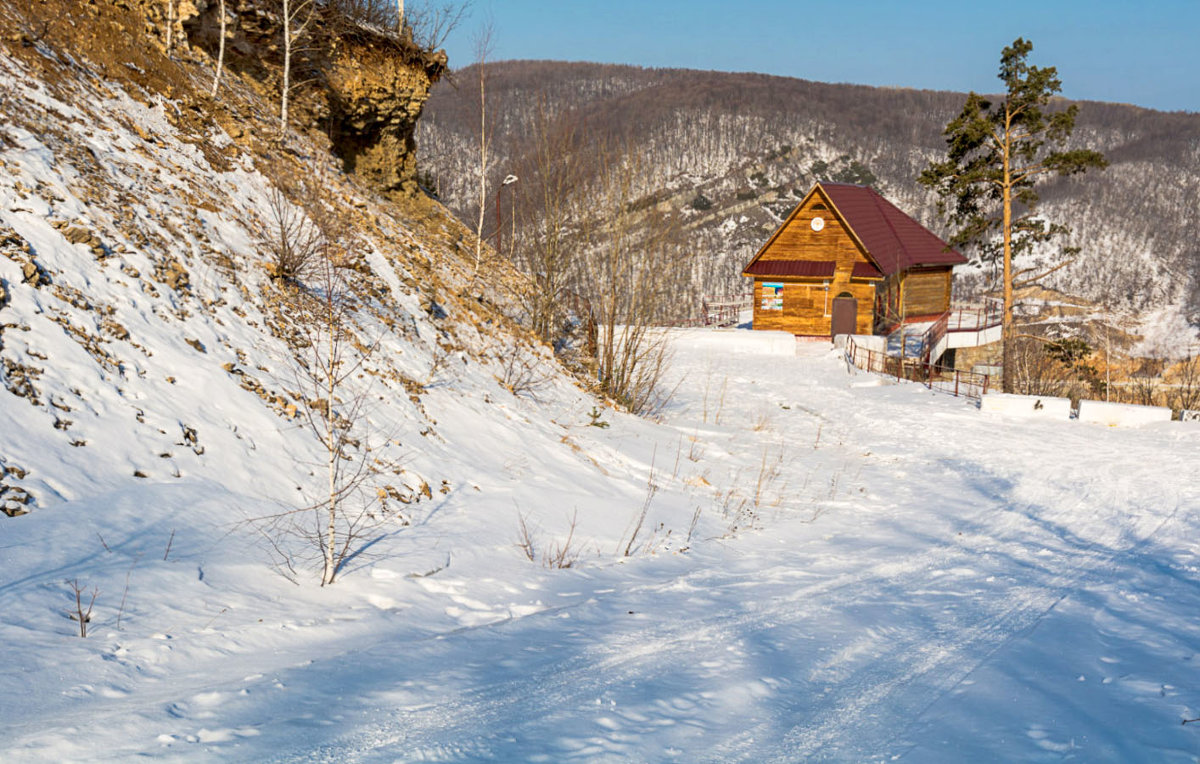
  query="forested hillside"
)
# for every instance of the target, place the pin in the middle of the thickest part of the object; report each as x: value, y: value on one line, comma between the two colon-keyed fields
x: 729, y: 155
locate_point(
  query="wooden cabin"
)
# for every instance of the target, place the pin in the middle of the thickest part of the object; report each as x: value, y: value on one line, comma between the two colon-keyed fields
x: 848, y: 261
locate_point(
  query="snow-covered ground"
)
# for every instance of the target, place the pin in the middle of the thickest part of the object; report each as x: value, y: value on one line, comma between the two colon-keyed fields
x: 797, y: 561
x: 876, y: 572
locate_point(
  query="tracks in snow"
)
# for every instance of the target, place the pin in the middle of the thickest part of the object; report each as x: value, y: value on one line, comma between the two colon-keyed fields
x: 599, y: 684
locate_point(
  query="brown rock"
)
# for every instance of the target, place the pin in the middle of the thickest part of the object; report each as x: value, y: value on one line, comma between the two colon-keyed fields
x: 33, y: 275
x: 115, y: 329
x: 78, y: 235
x: 378, y: 94
x: 173, y: 275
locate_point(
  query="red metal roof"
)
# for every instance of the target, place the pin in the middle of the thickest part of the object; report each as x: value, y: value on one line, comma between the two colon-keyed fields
x: 865, y: 271
x: 894, y: 241
x: 810, y: 268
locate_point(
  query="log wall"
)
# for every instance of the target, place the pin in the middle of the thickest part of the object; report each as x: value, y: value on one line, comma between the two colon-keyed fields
x: 807, y: 303
x: 798, y: 241
x: 927, y: 293
x: 808, y: 306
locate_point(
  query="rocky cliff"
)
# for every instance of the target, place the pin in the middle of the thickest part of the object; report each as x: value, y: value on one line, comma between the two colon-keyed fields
x: 360, y: 86
x: 376, y: 93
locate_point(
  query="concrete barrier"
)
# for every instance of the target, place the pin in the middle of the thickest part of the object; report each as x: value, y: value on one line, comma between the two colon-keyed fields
x: 1121, y: 414
x: 1040, y: 406
x: 872, y: 342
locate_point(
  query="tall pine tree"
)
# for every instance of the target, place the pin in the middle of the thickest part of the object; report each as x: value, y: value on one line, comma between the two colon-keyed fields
x: 996, y: 154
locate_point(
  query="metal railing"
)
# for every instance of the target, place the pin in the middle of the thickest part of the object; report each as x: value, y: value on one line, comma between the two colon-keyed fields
x: 724, y: 310
x: 935, y: 337
x: 966, y: 384
x: 933, y: 341
x: 974, y: 319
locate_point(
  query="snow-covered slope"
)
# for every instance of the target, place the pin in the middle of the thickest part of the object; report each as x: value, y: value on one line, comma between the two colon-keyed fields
x: 797, y: 561
x: 139, y: 337
x: 878, y: 571
x: 147, y: 353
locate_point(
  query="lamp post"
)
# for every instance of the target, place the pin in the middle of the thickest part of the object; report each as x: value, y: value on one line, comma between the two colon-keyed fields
x: 508, y: 181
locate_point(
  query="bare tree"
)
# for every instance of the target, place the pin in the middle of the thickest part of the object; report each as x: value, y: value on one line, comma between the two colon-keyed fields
x: 550, y: 213
x: 429, y: 24
x: 346, y: 514
x: 329, y: 370
x: 629, y: 271
x: 483, y: 49
x: 424, y: 24
x: 1184, y: 391
x: 294, y: 241
x: 220, y: 51
x: 81, y: 614
x: 170, y: 25
x: 322, y: 312
x: 298, y: 15
x: 1036, y: 372
x: 601, y: 259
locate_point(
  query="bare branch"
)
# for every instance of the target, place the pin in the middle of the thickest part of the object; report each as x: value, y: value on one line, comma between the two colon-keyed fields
x: 1034, y: 279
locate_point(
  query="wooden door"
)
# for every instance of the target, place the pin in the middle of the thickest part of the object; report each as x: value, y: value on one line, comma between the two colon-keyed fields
x: 845, y: 315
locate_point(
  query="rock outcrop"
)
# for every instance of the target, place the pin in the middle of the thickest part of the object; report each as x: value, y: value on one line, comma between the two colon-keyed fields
x: 377, y: 92
x: 364, y: 87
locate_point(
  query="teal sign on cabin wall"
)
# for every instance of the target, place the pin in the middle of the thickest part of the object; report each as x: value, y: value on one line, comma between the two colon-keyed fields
x: 772, y: 296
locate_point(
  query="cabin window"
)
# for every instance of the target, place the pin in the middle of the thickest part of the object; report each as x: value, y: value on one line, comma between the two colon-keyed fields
x: 772, y: 296
x: 818, y: 206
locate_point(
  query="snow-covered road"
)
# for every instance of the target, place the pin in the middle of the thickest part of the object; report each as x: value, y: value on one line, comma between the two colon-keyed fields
x: 922, y: 582
x: 827, y: 641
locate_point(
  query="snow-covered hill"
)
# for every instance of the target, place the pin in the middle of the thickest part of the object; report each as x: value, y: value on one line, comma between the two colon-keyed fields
x: 794, y: 561
x: 726, y: 156
x: 877, y: 572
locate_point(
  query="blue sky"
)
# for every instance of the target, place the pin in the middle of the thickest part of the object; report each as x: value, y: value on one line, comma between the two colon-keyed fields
x: 1145, y: 53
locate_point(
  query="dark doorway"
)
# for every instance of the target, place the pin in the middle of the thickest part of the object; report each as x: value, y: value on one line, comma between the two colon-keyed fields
x: 845, y: 314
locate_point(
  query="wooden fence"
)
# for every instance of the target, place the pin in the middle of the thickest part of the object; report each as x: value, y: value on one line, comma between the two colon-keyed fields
x: 967, y: 384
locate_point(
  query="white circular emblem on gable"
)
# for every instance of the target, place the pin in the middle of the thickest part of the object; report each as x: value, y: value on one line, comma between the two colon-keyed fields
x: 818, y: 223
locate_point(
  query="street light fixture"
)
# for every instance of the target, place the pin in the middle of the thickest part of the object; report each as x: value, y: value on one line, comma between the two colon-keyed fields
x: 508, y: 181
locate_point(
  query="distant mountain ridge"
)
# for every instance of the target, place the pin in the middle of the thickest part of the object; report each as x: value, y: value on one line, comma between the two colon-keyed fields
x: 734, y: 153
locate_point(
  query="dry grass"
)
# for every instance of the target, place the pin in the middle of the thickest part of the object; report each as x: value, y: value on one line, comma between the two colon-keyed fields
x: 639, y: 518
x: 561, y: 554
x: 82, y: 615
x: 762, y: 421
x: 742, y: 506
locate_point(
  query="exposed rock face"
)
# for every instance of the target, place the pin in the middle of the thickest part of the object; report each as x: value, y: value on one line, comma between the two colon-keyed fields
x: 366, y: 89
x: 376, y: 97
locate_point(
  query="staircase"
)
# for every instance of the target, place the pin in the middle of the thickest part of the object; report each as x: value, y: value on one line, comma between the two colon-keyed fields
x: 956, y: 328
